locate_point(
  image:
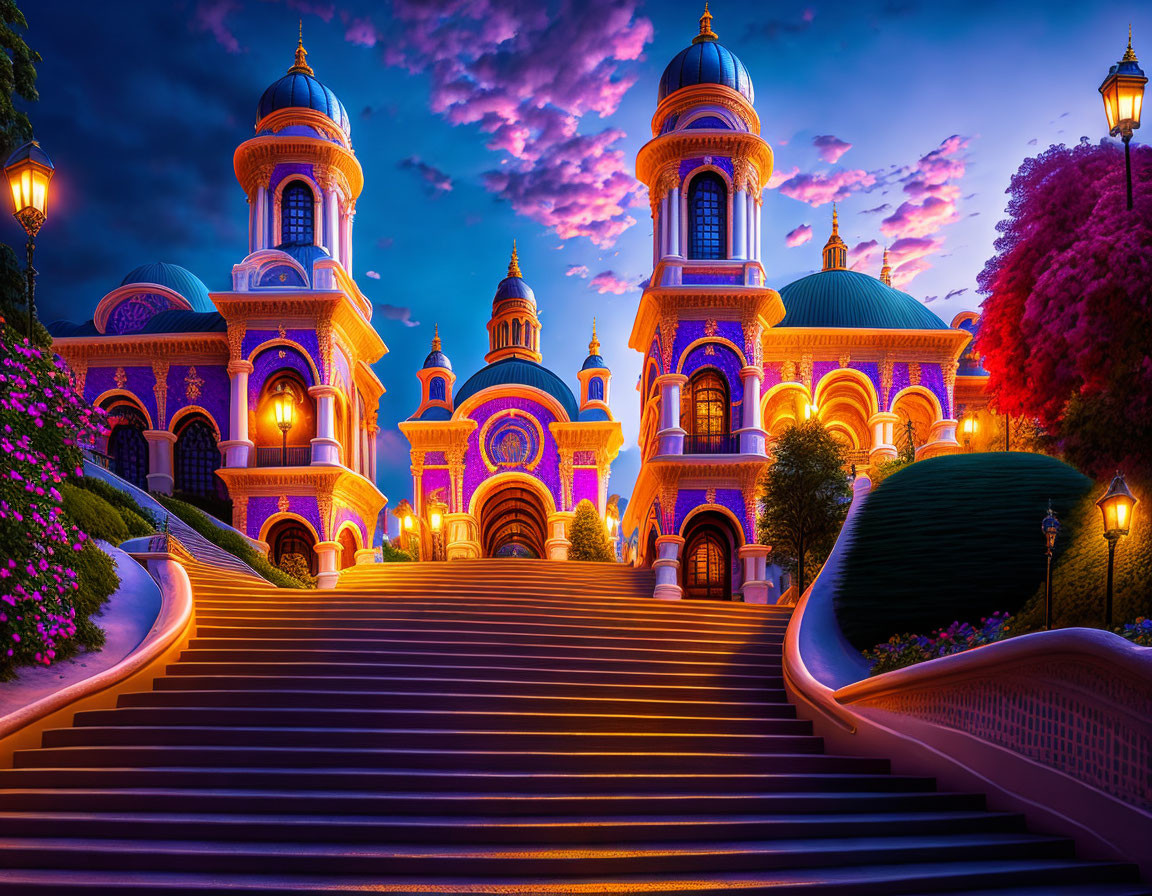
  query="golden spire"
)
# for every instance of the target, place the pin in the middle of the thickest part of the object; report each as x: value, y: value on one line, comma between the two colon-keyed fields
x: 1129, y: 54
x: 706, y: 32
x: 886, y: 270
x: 835, y: 221
x: 436, y: 338
x: 835, y: 250
x: 301, y: 64
x: 514, y: 263
x: 594, y: 345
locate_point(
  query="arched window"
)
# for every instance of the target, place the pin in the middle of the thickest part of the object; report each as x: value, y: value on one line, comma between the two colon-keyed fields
x: 297, y: 211
x: 595, y: 389
x: 196, y: 458
x: 127, y: 447
x: 708, y: 217
x: 515, y: 332
x: 704, y: 413
x: 529, y: 335
x: 504, y: 333
x: 436, y: 388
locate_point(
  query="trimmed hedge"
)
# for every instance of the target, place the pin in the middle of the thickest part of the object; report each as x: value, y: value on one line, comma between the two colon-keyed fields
x: 99, y: 518
x: 226, y: 539
x: 951, y: 538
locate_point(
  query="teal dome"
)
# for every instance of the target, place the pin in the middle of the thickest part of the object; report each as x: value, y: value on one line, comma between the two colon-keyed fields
x: 840, y: 299
x: 520, y: 372
x: 177, y: 279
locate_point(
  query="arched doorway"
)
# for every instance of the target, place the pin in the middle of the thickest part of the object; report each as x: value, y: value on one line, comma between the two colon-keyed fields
x: 292, y: 537
x: 706, y: 567
x: 513, y: 523
x: 347, y: 548
x: 127, y: 447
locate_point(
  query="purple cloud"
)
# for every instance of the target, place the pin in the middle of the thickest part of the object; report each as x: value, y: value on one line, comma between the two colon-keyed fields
x: 527, y: 76
x: 209, y: 16
x: 372, y: 275
x: 436, y: 181
x: 864, y: 255
x: 400, y: 313
x: 877, y: 210
x: 610, y: 282
x: 819, y: 189
x: 362, y: 33
x: 956, y: 292
x: 799, y: 236
x: 830, y: 148
x: 577, y: 270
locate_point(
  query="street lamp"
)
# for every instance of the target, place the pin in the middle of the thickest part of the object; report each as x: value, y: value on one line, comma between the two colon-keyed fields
x: 284, y: 406
x: 1123, y: 93
x: 1051, y: 528
x: 436, y: 511
x: 1116, y: 506
x: 971, y: 427
x: 29, y: 171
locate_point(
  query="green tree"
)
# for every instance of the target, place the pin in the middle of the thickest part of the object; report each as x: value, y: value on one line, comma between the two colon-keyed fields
x: 805, y: 496
x: 589, y: 540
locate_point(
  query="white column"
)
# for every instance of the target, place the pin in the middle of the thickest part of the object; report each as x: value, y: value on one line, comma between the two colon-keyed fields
x: 667, y: 566
x: 160, y: 443
x: 671, y: 435
x: 740, y: 224
x: 260, y: 231
x: 346, y: 242
x: 238, y: 447
x: 664, y: 225
x: 754, y: 228
x: 327, y: 562
x: 882, y: 448
x: 756, y: 589
x: 674, y: 222
x: 752, y: 436
x: 325, y: 448
x: 355, y: 449
x: 332, y: 225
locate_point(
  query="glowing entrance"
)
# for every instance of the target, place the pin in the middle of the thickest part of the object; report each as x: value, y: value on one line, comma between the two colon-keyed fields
x: 513, y: 523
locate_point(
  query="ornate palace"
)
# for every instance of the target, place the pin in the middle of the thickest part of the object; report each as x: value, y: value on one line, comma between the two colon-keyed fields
x: 501, y: 462
x: 729, y: 362
x: 261, y: 395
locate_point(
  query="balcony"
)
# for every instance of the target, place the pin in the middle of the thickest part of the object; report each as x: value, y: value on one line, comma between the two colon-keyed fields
x: 714, y: 443
x: 293, y: 456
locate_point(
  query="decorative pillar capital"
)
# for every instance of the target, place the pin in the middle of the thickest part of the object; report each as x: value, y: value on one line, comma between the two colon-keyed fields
x: 160, y: 391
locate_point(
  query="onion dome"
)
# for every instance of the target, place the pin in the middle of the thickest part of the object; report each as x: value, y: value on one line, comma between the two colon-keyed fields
x: 301, y: 89
x: 594, y: 361
x: 437, y: 358
x: 706, y: 61
x: 851, y: 300
x: 519, y: 371
x: 513, y: 286
x: 177, y: 279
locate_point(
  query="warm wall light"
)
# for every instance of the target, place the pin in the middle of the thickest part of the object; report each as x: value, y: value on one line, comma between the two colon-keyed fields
x: 29, y: 171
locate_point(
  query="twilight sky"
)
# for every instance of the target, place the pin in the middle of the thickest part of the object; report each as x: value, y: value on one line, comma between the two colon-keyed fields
x: 478, y: 121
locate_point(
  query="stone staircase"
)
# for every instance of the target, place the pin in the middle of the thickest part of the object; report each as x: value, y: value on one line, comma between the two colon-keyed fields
x: 489, y: 727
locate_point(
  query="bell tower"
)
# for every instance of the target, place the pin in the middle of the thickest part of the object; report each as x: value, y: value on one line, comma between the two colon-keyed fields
x: 514, y: 328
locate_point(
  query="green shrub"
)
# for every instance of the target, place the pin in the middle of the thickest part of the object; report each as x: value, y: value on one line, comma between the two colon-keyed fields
x: 588, y: 539
x: 121, y: 500
x: 96, y: 574
x: 955, y: 537
x: 229, y: 540
x: 389, y: 553
x: 296, y: 566
x: 93, y: 515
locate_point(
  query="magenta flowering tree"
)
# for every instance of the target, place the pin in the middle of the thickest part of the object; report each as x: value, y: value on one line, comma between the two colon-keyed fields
x: 43, y: 424
x: 1064, y: 333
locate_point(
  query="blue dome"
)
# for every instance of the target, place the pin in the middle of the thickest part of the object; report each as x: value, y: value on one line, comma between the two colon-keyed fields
x: 706, y: 62
x: 514, y: 288
x: 300, y: 90
x: 437, y: 359
x: 521, y: 372
x: 305, y: 253
x: 594, y: 362
x: 851, y: 300
x: 177, y: 279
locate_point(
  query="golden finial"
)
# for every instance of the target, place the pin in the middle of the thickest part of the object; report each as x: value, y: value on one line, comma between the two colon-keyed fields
x: 594, y: 345
x: 885, y: 270
x: 1129, y: 54
x: 835, y: 221
x: 706, y: 32
x: 301, y: 64
x: 835, y: 250
x: 514, y: 263
x: 436, y: 338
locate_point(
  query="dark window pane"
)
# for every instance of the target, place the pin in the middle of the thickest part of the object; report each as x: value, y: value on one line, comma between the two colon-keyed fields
x: 297, y: 208
x: 707, y: 213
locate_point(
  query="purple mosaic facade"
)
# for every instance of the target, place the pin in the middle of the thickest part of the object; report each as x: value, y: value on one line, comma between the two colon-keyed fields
x: 345, y: 515
x: 263, y: 507
x: 548, y: 470
x: 138, y: 380
x: 213, y: 397
x: 434, y: 457
x: 687, y: 166
x: 700, y: 278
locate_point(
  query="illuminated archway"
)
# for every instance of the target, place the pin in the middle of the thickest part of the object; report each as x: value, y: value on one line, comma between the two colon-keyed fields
x: 513, y: 522
x: 917, y: 406
x: 710, y: 544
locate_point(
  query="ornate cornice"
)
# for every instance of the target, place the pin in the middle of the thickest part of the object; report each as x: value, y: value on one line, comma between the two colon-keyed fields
x: 671, y: 148
x: 705, y: 95
x: 277, y: 149
x: 661, y: 305
x: 177, y: 348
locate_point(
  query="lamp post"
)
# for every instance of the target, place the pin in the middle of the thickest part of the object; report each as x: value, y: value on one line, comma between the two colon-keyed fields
x: 284, y: 407
x: 1123, y: 94
x: 1116, y: 506
x: 1051, y: 528
x: 29, y: 170
x: 407, y: 517
x: 436, y: 511
x: 971, y: 427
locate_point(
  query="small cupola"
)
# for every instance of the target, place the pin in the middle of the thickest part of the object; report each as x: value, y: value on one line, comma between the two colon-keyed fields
x: 514, y: 329
x: 595, y: 378
x: 835, y: 250
x: 436, y: 380
x: 886, y: 270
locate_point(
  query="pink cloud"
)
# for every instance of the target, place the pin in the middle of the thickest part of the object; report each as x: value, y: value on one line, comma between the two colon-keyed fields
x: 527, y: 76
x: 799, y: 236
x: 919, y: 219
x: 903, y: 275
x: 609, y: 282
x: 864, y: 256
x: 779, y: 176
x: 372, y: 275
x: 819, y: 189
x: 362, y: 33
x: 577, y: 270
x: 209, y: 16
x: 830, y: 148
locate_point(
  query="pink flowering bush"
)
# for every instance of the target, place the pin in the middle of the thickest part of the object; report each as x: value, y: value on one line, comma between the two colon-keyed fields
x: 44, y: 602
x: 907, y: 650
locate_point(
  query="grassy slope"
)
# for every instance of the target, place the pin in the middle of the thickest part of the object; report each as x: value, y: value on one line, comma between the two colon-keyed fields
x: 952, y: 538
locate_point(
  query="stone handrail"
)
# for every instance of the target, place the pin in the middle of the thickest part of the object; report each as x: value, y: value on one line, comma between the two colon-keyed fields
x: 1057, y: 725
x: 23, y: 728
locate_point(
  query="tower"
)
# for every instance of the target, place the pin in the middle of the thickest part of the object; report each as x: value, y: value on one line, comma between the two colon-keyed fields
x: 886, y: 270
x: 436, y: 381
x: 595, y: 378
x: 699, y: 326
x: 514, y: 328
x: 835, y: 250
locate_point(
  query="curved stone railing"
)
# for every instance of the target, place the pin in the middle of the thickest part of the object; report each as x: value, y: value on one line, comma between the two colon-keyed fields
x: 1057, y: 725
x: 23, y: 728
